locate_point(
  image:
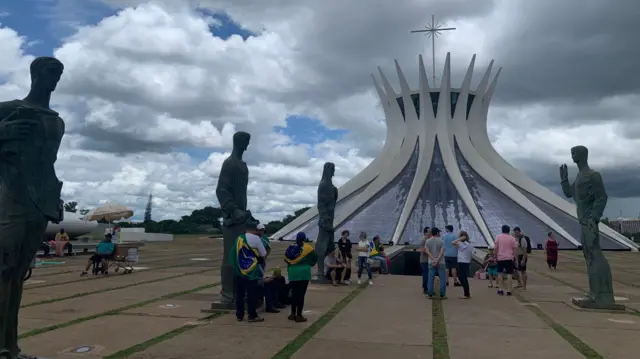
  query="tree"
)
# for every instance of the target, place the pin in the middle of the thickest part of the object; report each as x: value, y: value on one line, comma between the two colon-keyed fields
x: 71, y: 207
x: 147, y: 211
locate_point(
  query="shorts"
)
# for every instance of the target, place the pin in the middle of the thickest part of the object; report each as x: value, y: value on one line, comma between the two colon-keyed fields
x: 96, y: 258
x: 492, y: 271
x: 522, y: 268
x: 451, y: 262
x: 505, y: 267
x: 346, y: 255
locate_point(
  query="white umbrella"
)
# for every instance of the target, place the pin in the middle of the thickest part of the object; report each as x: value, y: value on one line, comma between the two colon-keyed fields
x: 109, y: 212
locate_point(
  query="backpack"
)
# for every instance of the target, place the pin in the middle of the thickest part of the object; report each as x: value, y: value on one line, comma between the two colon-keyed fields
x: 528, y: 243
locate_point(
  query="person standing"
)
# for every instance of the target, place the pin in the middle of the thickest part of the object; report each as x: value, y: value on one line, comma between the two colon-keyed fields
x: 424, y: 258
x: 522, y: 256
x: 246, y: 257
x: 505, y: 249
x: 551, y: 248
x: 465, y: 252
x: 344, y: 244
x: 300, y: 257
x: 450, y: 255
x: 363, y: 257
x: 435, y: 251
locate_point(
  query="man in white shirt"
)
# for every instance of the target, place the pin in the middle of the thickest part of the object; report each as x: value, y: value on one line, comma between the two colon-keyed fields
x: 363, y: 257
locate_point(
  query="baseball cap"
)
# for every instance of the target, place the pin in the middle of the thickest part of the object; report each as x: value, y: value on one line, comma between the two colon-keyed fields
x: 260, y: 227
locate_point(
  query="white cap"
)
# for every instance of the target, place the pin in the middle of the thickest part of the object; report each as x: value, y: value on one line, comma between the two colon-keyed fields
x: 260, y: 226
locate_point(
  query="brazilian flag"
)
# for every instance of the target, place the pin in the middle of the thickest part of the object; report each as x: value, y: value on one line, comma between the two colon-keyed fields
x: 245, y: 259
x: 266, y: 243
x: 296, y: 254
x: 373, y: 250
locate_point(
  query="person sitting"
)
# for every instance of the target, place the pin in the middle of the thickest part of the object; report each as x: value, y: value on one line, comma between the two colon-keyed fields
x: 104, y: 252
x: 332, y: 269
x: 272, y: 287
x: 62, y: 243
x: 376, y: 252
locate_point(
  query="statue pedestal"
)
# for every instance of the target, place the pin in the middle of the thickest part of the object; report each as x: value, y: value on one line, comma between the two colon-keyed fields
x: 220, y: 304
x: 587, y: 303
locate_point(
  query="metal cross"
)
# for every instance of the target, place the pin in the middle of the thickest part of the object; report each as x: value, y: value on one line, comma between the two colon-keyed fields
x: 433, y: 30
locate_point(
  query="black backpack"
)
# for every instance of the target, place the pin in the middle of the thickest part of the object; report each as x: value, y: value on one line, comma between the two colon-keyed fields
x: 528, y: 244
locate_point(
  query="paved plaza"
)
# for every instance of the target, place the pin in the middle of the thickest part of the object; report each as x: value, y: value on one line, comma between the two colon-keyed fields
x: 155, y: 312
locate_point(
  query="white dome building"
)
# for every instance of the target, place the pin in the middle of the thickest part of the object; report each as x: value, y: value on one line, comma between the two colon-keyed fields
x: 438, y: 167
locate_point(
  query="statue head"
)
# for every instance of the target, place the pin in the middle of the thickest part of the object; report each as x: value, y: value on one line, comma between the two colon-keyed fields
x: 46, y: 73
x: 241, y: 141
x: 328, y: 170
x: 579, y: 154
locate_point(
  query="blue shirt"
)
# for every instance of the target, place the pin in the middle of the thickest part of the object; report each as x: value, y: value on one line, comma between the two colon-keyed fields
x: 449, y: 249
x: 105, y: 247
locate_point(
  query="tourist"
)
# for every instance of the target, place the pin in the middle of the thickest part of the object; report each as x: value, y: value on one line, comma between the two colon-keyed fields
x: 300, y: 257
x: 363, y: 257
x: 104, y: 251
x: 264, y: 238
x: 344, y: 244
x: 490, y: 264
x: 376, y: 253
x: 551, y: 248
x: 333, y: 269
x: 505, y: 249
x: 424, y: 258
x: 62, y: 243
x: 434, y: 247
x: 465, y: 252
x: 522, y: 256
x: 247, y: 259
x: 450, y: 255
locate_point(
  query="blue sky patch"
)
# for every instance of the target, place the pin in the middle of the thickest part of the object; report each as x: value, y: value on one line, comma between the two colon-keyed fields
x: 305, y: 130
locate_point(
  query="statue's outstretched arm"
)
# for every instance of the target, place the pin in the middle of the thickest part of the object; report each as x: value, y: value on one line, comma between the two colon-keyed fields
x: 599, y: 196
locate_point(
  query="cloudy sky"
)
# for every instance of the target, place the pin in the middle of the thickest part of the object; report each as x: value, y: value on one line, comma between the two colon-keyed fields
x: 153, y: 91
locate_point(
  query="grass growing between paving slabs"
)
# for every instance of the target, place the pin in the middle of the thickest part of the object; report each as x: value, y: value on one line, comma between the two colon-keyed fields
x: 84, y: 294
x: 439, y: 329
x: 298, y: 342
x: 575, y: 342
x: 125, y: 353
x: 114, y: 311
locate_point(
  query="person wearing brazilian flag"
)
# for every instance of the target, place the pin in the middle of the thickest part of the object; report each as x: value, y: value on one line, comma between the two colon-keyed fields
x: 247, y: 258
x: 300, y: 257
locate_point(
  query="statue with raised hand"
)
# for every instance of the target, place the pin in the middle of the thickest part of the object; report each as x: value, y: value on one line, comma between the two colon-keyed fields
x: 590, y: 197
x: 327, y: 199
x: 232, y: 196
x: 30, y: 136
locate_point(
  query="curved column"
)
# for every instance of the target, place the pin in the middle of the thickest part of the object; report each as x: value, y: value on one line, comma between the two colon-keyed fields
x: 475, y: 160
x: 395, y: 165
x: 480, y: 139
x: 443, y: 118
x: 391, y: 147
x: 427, y: 140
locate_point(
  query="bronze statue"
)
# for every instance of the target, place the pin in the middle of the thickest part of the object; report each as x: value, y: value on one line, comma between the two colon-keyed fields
x: 30, y: 135
x: 232, y: 195
x: 590, y: 197
x: 327, y: 199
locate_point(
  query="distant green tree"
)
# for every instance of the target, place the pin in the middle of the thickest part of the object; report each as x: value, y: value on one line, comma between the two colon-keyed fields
x: 71, y: 207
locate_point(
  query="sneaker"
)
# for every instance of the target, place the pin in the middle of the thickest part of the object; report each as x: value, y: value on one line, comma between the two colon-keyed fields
x: 347, y: 282
x: 256, y: 320
x: 291, y: 317
x: 508, y: 294
x: 501, y: 292
x: 359, y: 281
x: 370, y: 282
x: 239, y: 319
x: 465, y: 297
x: 300, y: 319
x: 443, y: 297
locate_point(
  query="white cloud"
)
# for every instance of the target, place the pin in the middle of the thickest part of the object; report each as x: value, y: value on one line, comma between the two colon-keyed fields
x: 141, y: 86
